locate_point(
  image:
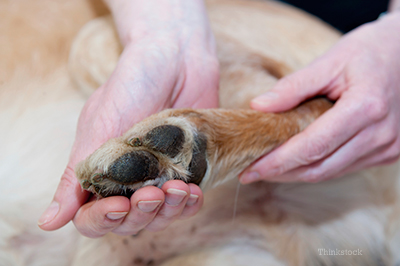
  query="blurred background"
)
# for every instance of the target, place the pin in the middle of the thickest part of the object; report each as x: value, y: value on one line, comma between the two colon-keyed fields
x: 344, y: 15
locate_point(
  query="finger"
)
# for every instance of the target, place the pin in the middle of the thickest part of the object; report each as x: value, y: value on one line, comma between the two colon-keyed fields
x: 373, y: 145
x: 293, y: 89
x: 370, y: 142
x: 386, y: 156
x: 176, y: 196
x: 318, y: 140
x: 328, y: 168
x: 69, y: 197
x: 145, y: 204
x: 99, y: 217
x: 194, y: 202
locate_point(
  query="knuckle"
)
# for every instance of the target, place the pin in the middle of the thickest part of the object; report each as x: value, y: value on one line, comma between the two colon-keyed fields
x: 386, y: 137
x: 187, y: 215
x: 92, y: 230
x: 127, y: 228
x: 171, y: 217
x: 375, y: 109
x: 394, y: 158
x: 397, y: 146
x: 135, y: 226
x: 277, y: 166
x: 126, y: 232
x: 157, y: 227
x: 103, y: 228
x: 389, y: 136
x: 314, y: 151
x: 394, y: 151
x: 313, y: 177
x: 95, y: 227
x: 279, y: 170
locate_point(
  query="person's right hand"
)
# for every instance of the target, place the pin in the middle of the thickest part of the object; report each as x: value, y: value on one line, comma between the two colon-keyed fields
x: 169, y: 60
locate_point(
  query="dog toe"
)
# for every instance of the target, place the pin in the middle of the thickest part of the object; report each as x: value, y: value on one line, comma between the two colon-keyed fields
x: 166, y: 139
x: 134, y: 167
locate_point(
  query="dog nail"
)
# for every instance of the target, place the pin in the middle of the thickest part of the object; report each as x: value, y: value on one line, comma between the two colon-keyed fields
x: 50, y: 213
x: 192, y: 200
x: 174, y: 196
x: 116, y: 215
x: 148, y: 206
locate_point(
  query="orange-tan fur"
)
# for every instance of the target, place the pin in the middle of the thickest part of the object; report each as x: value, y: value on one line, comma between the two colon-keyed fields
x: 275, y: 224
x: 235, y: 139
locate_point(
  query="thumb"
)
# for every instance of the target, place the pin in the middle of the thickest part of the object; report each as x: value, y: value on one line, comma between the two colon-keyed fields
x: 69, y: 197
x: 295, y: 88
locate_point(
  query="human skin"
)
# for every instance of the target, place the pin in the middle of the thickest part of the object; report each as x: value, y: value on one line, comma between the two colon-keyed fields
x: 362, y: 74
x: 394, y: 5
x: 169, y: 61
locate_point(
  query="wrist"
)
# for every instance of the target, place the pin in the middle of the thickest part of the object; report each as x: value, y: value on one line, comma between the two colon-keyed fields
x: 394, y: 6
x: 392, y: 17
x: 138, y: 19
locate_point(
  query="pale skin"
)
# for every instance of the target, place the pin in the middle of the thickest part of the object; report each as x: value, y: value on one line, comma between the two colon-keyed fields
x: 362, y: 74
x: 169, y: 60
x: 161, y: 68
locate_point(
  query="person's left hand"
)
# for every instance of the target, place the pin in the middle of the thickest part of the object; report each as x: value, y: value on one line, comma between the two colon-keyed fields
x: 361, y: 72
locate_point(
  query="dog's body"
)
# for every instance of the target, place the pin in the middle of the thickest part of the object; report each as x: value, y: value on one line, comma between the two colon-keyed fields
x: 274, y: 224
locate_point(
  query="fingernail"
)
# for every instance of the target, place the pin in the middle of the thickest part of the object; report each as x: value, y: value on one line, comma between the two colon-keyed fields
x: 250, y: 177
x: 266, y: 98
x: 116, y: 215
x: 174, y: 196
x: 148, y: 206
x: 50, y: 213
x: 192, y: 200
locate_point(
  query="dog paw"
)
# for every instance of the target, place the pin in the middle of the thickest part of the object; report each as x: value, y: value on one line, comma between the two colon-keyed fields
x: 154, y: 151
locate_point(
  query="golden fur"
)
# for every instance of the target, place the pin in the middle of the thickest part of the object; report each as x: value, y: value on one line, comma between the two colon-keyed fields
x: 235, y: 139
x: 275, y: 224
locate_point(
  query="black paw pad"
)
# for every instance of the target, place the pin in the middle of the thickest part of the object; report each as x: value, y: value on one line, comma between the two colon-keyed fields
x: 198, y: 165
x: 133, y: 167
x: 166, y: 139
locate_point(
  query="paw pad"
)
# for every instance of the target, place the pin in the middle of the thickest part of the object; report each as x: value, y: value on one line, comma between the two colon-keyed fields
x: 166, y: 139
x: 149, y: 159
x: 198, y: 165
x: 134, y: 167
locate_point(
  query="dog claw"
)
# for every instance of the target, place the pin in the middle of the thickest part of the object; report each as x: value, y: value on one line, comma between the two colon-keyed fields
x: 97, y: 178
x: 135, y: 142
x: 86, y: 184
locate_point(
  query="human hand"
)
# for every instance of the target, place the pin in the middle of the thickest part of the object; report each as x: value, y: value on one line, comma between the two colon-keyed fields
x: 361, y: 72
x: 168, y: 61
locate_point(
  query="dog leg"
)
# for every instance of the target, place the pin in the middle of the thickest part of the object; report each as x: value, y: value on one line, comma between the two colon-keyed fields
x: 206, y: 147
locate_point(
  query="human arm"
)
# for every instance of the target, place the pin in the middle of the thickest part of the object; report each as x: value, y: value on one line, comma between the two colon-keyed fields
x: 394, y: 5
x: 168, y: 61
x: 362, y: 74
